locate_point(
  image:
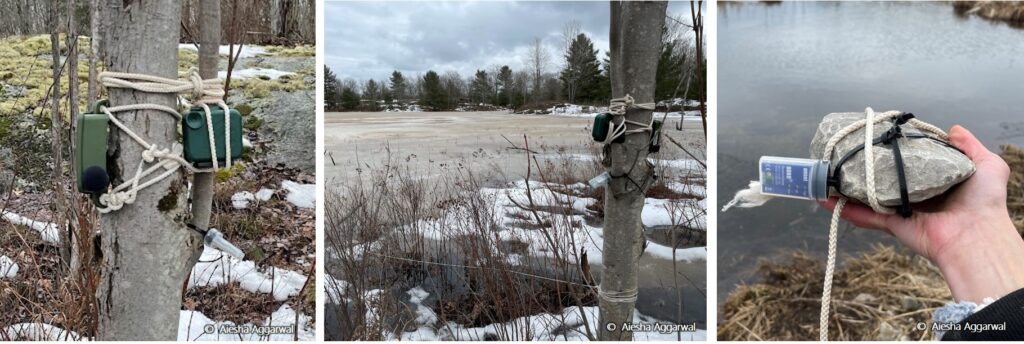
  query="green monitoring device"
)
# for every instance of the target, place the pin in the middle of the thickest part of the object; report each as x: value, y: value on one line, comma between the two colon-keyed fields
x: 197, y: 140
x: 90, y: 156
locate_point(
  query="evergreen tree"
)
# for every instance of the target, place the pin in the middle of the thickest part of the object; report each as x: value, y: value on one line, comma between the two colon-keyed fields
x: 505, y: 86
x: 371, y: 92
x: 481, y: 88
x: 349, y: 98
x: 579, y: 77
x: 332, y: 91
x: 398, y: 85
x: 433, y: 94
x: 671, y: 63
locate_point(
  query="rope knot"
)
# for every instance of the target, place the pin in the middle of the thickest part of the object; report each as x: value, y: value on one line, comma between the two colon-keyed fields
x: 198, y: 88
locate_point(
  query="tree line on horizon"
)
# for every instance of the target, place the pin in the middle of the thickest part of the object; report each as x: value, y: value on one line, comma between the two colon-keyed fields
x: 583, y: 79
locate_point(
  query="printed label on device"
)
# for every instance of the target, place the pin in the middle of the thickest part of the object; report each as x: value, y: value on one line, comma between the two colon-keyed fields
x: 793, y: 178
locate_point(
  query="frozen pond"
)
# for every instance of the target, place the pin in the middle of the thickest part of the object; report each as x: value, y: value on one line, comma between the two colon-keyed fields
x: 424, y: 141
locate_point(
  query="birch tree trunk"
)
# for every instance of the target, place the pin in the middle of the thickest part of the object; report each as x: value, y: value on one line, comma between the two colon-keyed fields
x: 209, y: 56
x: 146, y: 247
x: 635, y: 42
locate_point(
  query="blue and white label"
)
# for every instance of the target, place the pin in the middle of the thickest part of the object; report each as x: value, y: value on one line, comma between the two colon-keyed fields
x: 787, y: 178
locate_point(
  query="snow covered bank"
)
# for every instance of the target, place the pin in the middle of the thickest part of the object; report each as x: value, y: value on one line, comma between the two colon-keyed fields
x: 565, y: 212
x: 248, y: 51
x: 216, y: 268
x: 279, y: 326
x: 269, y: 74
x: 40, y: 332
x: 568, y: 325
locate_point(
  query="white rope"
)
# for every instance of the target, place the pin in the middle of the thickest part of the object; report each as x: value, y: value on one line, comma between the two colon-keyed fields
x: 869, y: 165
x: 204, y: 92
x: 618, y: 108
x: 830, y: 267
x: 629, y: 295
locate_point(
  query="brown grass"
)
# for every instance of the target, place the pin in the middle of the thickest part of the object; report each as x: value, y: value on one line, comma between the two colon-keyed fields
x: 231, y: 303
x: 881, y: 295
x: 1010, y: 12
x: 1014, y: 156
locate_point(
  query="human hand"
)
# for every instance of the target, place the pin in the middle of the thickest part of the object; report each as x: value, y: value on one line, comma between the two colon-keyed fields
x: 968, y: 233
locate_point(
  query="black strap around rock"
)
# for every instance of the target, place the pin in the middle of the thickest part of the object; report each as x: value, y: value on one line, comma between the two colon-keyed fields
x: 891, y: 138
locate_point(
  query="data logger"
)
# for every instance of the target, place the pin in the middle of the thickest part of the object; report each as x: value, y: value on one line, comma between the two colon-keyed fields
x: 794, y: 177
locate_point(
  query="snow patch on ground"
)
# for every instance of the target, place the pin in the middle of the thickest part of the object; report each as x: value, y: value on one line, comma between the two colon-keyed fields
x: 691, y: 115
x: 682, y: 165
x: 567, y: 325
x: 687, y: 189
x: 195, y: 326
x: 241, y: 200
x: 40, y: 332
x: 272, y: 74
x: 506, y: 208
x: 336, y: 289
x: 8, y: 268
x: 573, y: 110
x: 49, y: 231
x: 664, y: 212
x: 301, y: 195
x: 679, y: 102
x: 248, y: 51
x: 264, y: 194
x: 216, y: 268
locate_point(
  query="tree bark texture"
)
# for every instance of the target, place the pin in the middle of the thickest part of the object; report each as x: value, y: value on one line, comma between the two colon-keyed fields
x: 146, y: 247
x: 635, y: 43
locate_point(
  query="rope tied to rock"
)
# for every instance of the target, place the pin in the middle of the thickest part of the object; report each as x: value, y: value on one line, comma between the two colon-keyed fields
x: 618, y: 108
x: 204, y: 93
x: 872, y: 196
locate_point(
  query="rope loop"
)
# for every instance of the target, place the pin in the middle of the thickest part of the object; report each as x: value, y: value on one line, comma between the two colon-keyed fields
x: 617, y: 108
x: 170, y: 159
x: 618, y: 296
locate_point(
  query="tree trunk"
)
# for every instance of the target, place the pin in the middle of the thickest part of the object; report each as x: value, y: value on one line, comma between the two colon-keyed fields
x: 635, y: 42
x: 698, y: 32
x: 57, y: 131
x: 209, y: 56
x: 72, y: 212
x: 94, y: 49
x: 146, y: 247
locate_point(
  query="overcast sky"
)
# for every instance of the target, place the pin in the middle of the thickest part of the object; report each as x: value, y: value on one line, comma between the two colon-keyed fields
x: 365, y: 40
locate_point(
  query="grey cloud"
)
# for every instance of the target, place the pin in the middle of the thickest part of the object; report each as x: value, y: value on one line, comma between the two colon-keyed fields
x: 370, y: 39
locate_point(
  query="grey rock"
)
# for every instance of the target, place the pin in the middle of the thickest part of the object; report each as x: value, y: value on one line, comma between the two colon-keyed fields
x: 6, y: 172
x: 931, y: 167
x: 291, y: 124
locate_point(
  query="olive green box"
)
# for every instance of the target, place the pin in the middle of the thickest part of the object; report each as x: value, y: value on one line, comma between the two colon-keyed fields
x: 196, y: 139
x: 91, y: 147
